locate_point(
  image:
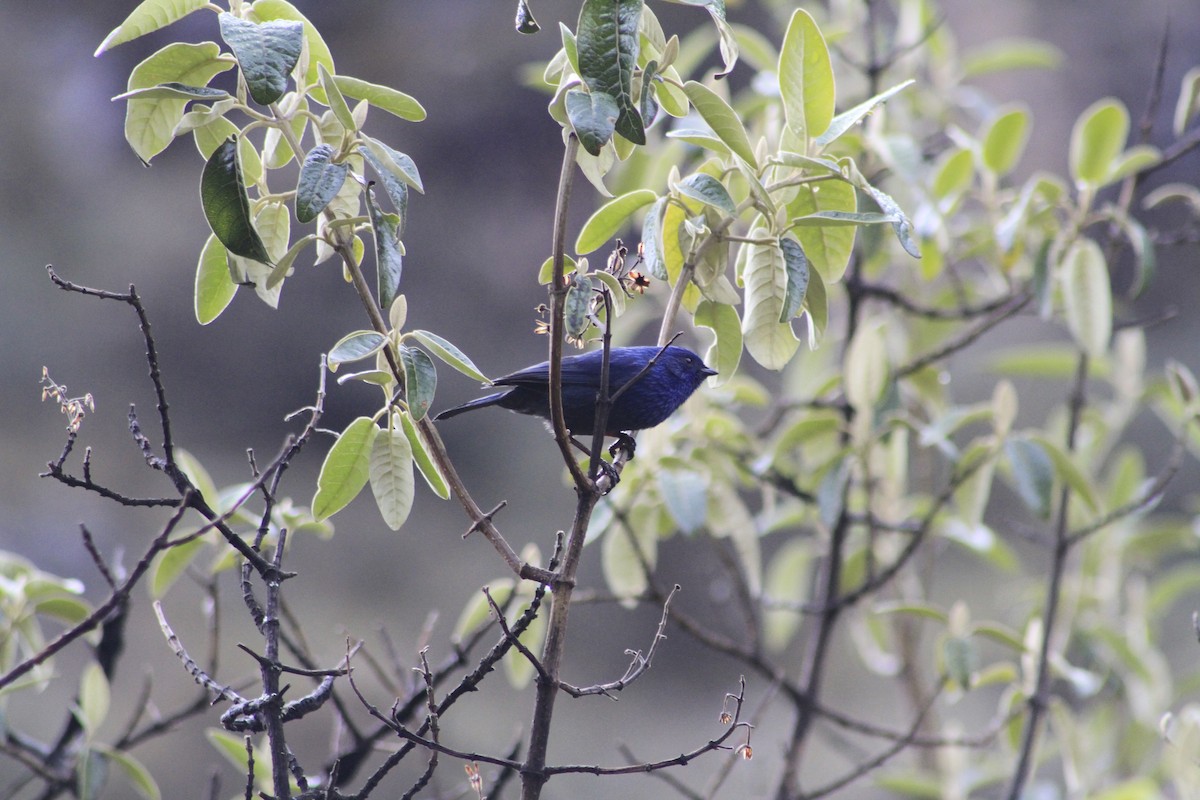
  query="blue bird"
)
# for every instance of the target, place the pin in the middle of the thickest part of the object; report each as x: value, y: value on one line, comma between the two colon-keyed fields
x: 675, y: 375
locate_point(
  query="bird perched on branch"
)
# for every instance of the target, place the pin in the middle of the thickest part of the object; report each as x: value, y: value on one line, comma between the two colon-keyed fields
x: 675, y: 373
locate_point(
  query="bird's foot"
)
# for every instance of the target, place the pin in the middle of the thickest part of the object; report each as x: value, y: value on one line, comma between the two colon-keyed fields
x: 607, y: 470
x: 624, y: 442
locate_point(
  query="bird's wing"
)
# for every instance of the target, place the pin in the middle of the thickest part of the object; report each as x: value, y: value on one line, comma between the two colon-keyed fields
x: 580, y: 370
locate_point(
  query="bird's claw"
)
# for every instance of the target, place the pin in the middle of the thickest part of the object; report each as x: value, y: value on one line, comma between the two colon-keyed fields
x: 610, y: 472
x: 624, y: 442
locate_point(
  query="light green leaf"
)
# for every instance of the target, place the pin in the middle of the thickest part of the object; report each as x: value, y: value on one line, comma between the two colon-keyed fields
x: 827, y: 246
x: 136, y: 773
x: 266, y: 52
x: 725, y: 353
x: 685, y: 495
x: 319, y: 182
x: 517, y: 667
x: 171, y: 564
x: 1188, y: 104
x: 150, y: 123
x: 1097, y: 139
x: 902, y: 226
x: 149, y: 16
x: 1005, y: 139
x: 346, y: 468
x: 213, y: 133
x: 954, y: 173
x: 1087, y: 295
x: 866, y: 371
x: 702, y: 139
x: 420, y: 381
x: 93, y: 698
x: 620, y: 561
x: 355, y: 347
x: 816, y: 303
x: 392, y: 475
x: 848, y: 119
x: 723, y: 120
x: 214, y: 288
x: 609, y: 218
x: 1135, y: 159
x: 1068, y: 471
x: 386, y: 98
x: 226, y: 207
x: 806, y: 77
x: 337, y: 103
x: 770, y: 342
x: 478, y: 611
x: 1001, y: 55
x: 449, y: 353
x: 425, y: 464
x: 786, y: 582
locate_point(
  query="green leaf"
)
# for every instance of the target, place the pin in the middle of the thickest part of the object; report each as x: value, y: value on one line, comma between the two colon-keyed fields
x: 94, y: 698
x: 685, y: 495
x: 961, y: 659
x: 848, y: 119
x: 723, y: 120
x: 707, y: 190
x: 816, y: 303
x: 1087, y: 296
x: 226, y: 207
x: 770, y: 342
x: 1188, y: 104
x: 171, y: 564
x: 214, y: 288
x: 420, y: 381
x: 725, y: 353
x: 1069, y: 472
x: 902, y: 226
x: 1033, y: 474
x: 337, y: 103
x: 1097, y: 139
x: 346, y: 468
x: 866, y: 371
x: 1005, y: 140
x: 136, y: 773
x: 450, y: 354
x: 319, y: 182
x: 355, y: 347
x: 386, y: 98
x: 179, y: 91
x: 806, y: 77
x: 267, y: 52
x: 318, y: 51
x: 576, y: 316
x: 652, y: 247
x: 827, y: 246
x: 214, y: 132
x: 593, y: 117
x: 609, y: 218
x: 388, y: 259
x: 786, y: 582
x: 385, y: 160
x: 392, y: 475
x: 478, y: 611
x: 149, y: 16
x: 150, y: 122
x: 517, y: 667
x: 797, y: 278
x: 622, y: 552
x: 703, y: 139
x: 954, y: 174
x: 1001, y: 55
x: 606, y: 40
x: 425, y: 463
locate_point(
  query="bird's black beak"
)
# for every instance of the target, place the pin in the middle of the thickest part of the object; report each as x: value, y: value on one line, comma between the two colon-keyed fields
x: 708, y: 372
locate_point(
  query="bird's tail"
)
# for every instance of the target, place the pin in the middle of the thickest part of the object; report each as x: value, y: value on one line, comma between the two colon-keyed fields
x: 482, y: 402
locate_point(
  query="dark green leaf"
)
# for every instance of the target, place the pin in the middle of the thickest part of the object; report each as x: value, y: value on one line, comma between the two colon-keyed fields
x: 525, y: 21
x: 593, y: 116
x: 177, y: 91
x: 320, y: 180
x: 648, y: 105
x: 393, y: 184
x: 652, y: 254
x: 267, y: 52
x: 607, y: 43
x: 797, y: 278
x: 388, y: 260
x: 226, y: 207
x: 707, y: 190
x: 420, y: 381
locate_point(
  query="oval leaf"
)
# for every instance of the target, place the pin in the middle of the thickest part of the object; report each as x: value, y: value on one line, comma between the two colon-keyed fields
x: 420, y: 381
x: 450, y: 354
x: 383, y: 97
x: 346, y: 468
x: 806, y: 77
x: 609, y: 218
x: 593, y: 117
x: 214, y: 288
x: 796, y: 264
x: 723, y: 120
x: 355, y: 346
x: 392, y: 476
x: 1087, y: 295
x: 707, y: 190
x: 266, y: 52
x: 319, y: 182
x: 389, y: 262
x: 149, y: 16
x: 425, y: 463
x: 226, y: 207
x: 725, y: 353
x: 1005, y: 141
x: 1097, y: 139
x: 606, y: 44
x: 770, y: 342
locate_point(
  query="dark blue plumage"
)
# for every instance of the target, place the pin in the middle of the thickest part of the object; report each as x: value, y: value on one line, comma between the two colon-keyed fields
x: 675, y: 375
